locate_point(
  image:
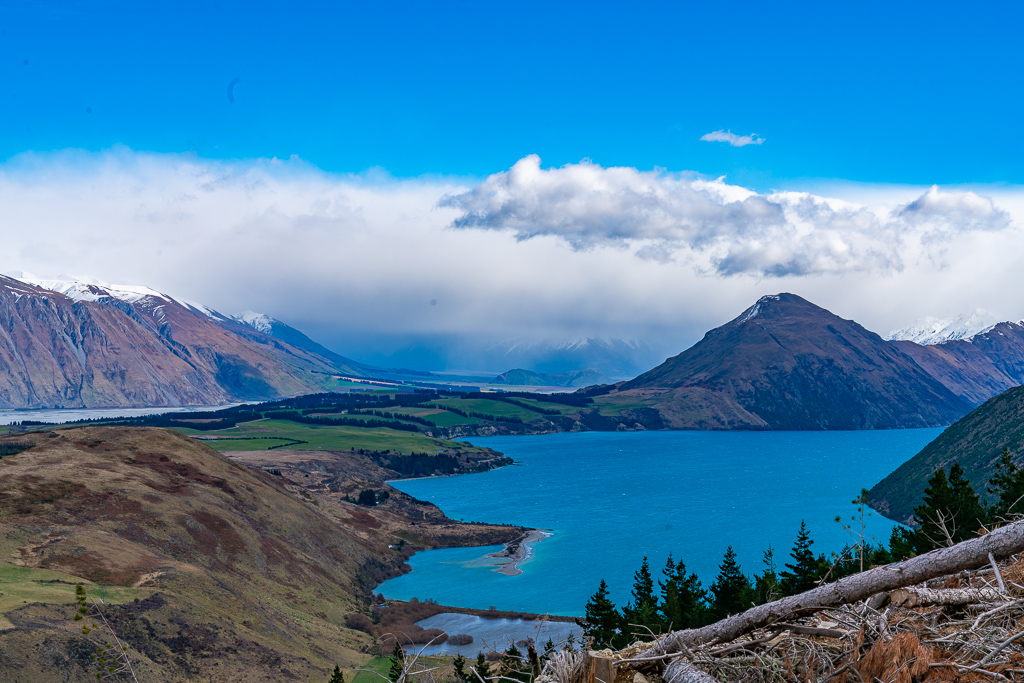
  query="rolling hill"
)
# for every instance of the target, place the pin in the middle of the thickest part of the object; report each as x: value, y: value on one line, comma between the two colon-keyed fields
x: 209, y: 569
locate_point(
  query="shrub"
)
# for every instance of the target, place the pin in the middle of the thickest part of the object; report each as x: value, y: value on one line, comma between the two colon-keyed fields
x: 359, y: 622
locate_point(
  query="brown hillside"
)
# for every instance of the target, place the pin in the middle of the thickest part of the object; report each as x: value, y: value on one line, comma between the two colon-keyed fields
x: 59, y: 352
x: 249, y: 580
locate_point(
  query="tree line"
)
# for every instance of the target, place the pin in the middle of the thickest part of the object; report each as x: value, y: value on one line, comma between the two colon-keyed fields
x: 950, y: 512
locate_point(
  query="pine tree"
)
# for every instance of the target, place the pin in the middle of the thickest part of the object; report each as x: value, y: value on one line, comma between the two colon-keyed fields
x: 397, y: 663
x: 682, y: 597
x: 950, y: 513
x: 642, y: 612
x: 934, y: 514
x: 1007, y: 484
x: 602, y: 622
x: 512, y: 663
x: 483, y: 669
x: 901, y: 543
x: 802, y: 574
x: 459, y: 667
x: 337, y: 676
x: 731, y: 590
x: 969, y: 515
x: 549, y: 649
x: 766, y: 584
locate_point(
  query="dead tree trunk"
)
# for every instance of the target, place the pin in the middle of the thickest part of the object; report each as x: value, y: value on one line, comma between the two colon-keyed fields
x: 1001, y: 543
x: 682, y: 671
x: 916, y: 597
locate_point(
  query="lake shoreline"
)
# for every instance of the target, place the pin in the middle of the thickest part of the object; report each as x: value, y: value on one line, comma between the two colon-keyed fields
x: 518, y: 552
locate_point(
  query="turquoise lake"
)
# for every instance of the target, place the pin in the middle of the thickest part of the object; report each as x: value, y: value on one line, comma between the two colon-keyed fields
x: 612, y: 497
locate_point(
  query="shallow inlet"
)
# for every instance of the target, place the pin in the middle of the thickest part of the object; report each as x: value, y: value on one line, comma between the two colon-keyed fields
x: 611, y: 498
x: 493, y: 634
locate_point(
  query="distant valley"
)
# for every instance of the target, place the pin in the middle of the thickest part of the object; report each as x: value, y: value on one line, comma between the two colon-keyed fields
x: 784, y: 363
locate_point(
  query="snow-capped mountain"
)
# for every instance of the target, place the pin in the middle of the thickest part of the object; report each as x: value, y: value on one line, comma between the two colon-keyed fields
x: 928, y: 331
x: 260, y: 322
x: 81, y: 342
x: 91, y: 289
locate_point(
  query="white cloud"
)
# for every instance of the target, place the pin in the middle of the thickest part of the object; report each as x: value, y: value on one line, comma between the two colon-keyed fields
x: 537, y: 253
x: 732, y: 138
x: 722, y: 228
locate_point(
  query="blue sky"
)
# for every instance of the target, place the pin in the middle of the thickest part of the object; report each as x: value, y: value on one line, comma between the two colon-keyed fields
x: 916, y: 93
x: 537, y: 169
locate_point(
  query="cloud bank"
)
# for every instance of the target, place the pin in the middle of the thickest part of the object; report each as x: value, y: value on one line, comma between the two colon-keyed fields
x: 721, y: 228
x: 368, y: 262
x: 733, y: 139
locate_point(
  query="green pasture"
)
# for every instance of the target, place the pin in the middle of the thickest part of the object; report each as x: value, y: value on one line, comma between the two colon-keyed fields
x: 20, y: 586
x: 361, y: 418
x: 376, y: 670
x: 319, y: 437
x: 613, y: 406
x: 439, y: 418
x: 487, y: 406
x: 544, y: 405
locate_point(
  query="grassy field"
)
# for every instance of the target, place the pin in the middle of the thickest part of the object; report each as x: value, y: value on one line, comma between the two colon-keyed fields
x: 439, y: 418
x: 319, y: 437
x: 22, y: 585
x: 613, y: 406
x: 489, y: 407
x: 560, y: 407
x: 361, y: 418
x: 376, y: 670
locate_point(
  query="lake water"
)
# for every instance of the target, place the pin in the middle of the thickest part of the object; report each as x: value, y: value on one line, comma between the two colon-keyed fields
x: 612, y: 497
x: 74, y: 414
x: 493, y: 634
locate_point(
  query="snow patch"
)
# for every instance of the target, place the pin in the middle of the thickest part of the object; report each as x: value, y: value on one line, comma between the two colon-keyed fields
x: 261, y: 322
x: 91, y: 289
x: 930, y: 330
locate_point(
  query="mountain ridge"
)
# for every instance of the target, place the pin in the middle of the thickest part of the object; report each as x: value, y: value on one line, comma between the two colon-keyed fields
x: 794, y: 365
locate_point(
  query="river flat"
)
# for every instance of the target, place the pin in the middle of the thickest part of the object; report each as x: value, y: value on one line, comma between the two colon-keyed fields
x: 611, y: 498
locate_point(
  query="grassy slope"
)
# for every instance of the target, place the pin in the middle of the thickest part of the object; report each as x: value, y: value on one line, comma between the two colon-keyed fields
x: 975, y: 441
x: 321, y: 437
x: 489, y: 407
x: 242, y: 568
x: 22, y: 585
x: 439, y: 418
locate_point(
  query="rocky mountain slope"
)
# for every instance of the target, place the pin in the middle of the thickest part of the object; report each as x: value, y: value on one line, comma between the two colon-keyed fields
x: 975, y: 441
x: 788, y: 364
x: 96, y: 346
x: 978, y: 367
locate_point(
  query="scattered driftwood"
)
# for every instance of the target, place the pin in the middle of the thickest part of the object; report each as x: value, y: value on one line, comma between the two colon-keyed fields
x: 1000, y: 543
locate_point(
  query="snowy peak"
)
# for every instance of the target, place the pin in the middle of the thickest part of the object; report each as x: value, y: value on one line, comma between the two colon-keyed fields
x: 93, y: 290
x: 261, y: 322
x: 929, y: 331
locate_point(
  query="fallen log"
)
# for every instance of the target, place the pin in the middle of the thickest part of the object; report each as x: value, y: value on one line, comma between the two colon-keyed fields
x: 1001, y: 543
x: 919, y: 597
x: 682, y: 671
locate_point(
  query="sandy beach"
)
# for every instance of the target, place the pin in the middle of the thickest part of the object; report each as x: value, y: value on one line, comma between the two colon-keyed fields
x: 517, y: 553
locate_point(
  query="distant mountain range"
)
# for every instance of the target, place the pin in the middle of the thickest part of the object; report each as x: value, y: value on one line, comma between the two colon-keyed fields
x: 67, y: 343
x: 785, y: 363
x: 578, y: 378
x: 929, y: 331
